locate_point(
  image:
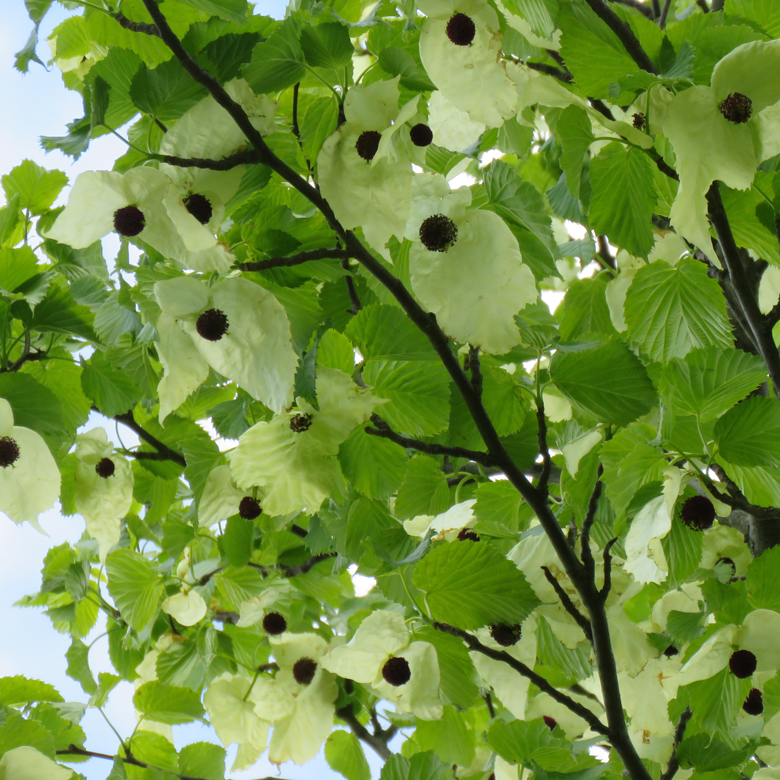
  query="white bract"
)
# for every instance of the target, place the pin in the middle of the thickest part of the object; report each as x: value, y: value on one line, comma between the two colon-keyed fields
x: 374, y: 193
x: 187, y: 607
x: 102, y: 500
x: 27, y: 763
x: 220, y: 497
x: 446, y: 525
x: 473, y: 77
x: 474, y: 284
x: 255, y: 350
x: 292, y: 457
x: 709, y: 146
x: 29, y: 477
x: 381, y: 638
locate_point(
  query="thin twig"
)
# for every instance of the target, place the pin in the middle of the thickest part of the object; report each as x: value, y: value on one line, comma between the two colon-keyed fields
x: 568, y: 604
x: 475, y: 370
x: 384, y: 431
x: 296, y: 128
x: 624, y: 33
x: 544, y: 450
x: 377, y: 743
x: 607, y: 258
x: 551, y: 70
x: 332, y: 253
x: 246, y: 157
x: 656, y: 9
x: 605, y: 588
x: 138, y: 27
x: 539, y: 681
x: 741, y: 286
x: 128, y: 420
x: 354, y: 298
x: 294, y: 571
x: 664, y: 14
x: 587, y: 524
x: 489, y: 704
x: 703, y: 5
x: 679, y: 733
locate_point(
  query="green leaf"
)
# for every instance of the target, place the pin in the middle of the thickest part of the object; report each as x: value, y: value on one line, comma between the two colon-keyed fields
x: 36, y: 187
x: 749, y: 434
x: 344, y: 755
x: 155, y: 749
x: 716, y: 701
x: 499, y: 502
x: 327, y: 45
x: 709, y: 381
x: 762, y: 587
x: 229, y: 10
x: 278, y: 62
x: 135, y: 587
x: 455, y: 667
x: 682, y: 548
x: 240, y: 584
x: 557, y: 663
x: 63, y: 378
x: 111, y: 390
x: 385, y: 333
x: 376, y: 467
x: 424, y: 490
x: 334, y: 350
x: 58, y: 312
x: 237, y: 540
x: 202, y: 759
x: 608, y: 382
x: 166, y: 91
x: 765, y: 13
x: 421, y: 766
x: 202, y: 455
x: 684, y: 627
x: 78, y: 666
x: 34, y: 405
x: 168, y: 703
x: 16, y: 267
x: 503, y: 400
x: 573, y: 131
x: 19, y: 690
x: 18, y: 732
x: 449, y: 737
x: 517, y: 740
x: 672, y: 309
x: 418, y: 394
x: 470, y: 585
x: 585, y: 309
x: 112, y: 320
x: 707, y: 754
x: 623, y: 198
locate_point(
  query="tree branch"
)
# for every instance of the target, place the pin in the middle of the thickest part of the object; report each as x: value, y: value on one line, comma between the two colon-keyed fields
x: 637, y: 6
x: 587, y: 524
x: 544, y: 450
x: 165, y: 452
x: 551, y: 70
x: 568, y: 604
x: 607, y: 585
x: 332, y: 253
x: 296, y: 128
x: 74, y: 750
x: 741, y: 286
x: 384, y: 431
x: 377, y: 743
x: 664, y: 14
x: 539, y: 681
x: 625, y: 33
x: 247, y: 157
x: 294, y: 571
x: 351, y: 289
x: 475, y: 370
x: 139, y: 27
x: 679, y: 733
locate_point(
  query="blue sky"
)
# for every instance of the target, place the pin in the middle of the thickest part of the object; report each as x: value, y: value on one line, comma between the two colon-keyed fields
x: 37, y: 104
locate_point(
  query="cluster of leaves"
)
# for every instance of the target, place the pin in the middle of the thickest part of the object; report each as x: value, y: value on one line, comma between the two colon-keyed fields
x: 338, y: 361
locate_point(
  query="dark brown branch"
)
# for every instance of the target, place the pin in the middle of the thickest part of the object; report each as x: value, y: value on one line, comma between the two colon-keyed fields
x: 141, y: 455
x: 739, y: 282
x: 587, y: 524
x: 247, y: 157
x: 735, y: 498
x: 296, y: 128
x: 377, y: 743
x: 703, y: 5
x: 332, y: 253
x: 664, y: 14
x: 607, y: 258
x: 354, y: 299
x: 294, y: 571
x: 539, y: 681
x: 489, y: 704
x: 551, y: 70
x: 384, y: 431
x: 74, y: 750
x: 139, y: 27
x: 544, y: 450
x: 637, y: 6
x: 568, y: 604
x: 679, y: 733
x: 601, y: 107
x: 165, y: 451
x: 656, y: 9
x: 475, y: 370
x: 26, y: 357
x: 302, y: 533
x: 717, y: 5
x: 605, y: 588
x: 428, y: 325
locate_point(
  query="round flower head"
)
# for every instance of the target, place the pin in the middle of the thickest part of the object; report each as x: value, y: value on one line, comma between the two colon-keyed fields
x: 380, y: 655
x: 742, y: 663
x: 698, y: 513
x: 274, y: 624
x: 362, y: 178
x: 717, y: 132
x: 104, y: 488
x: 460, y: 48
x: 754, y: 703
x: 247, y: 337
x: 249, y: 508
x: 29, y: 477
x: 27, y: 763
x: 466, y: 267
x: 292, y: 457
x: 299, y: 701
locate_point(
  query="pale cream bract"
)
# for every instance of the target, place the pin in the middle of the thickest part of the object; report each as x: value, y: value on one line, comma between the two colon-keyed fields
x: 708, y: 146
x: 298, y: 470
x: 31, y: 484
x: 27, y: 763
x: 220, y: 498
x: 102, y: 502
x: 187, y: 607
x: 256, y: 352
x: 474, y: 77
x: 475, y: 287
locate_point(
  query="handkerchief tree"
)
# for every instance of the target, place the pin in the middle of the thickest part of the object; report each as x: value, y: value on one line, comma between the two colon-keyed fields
x: 330, y: 323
